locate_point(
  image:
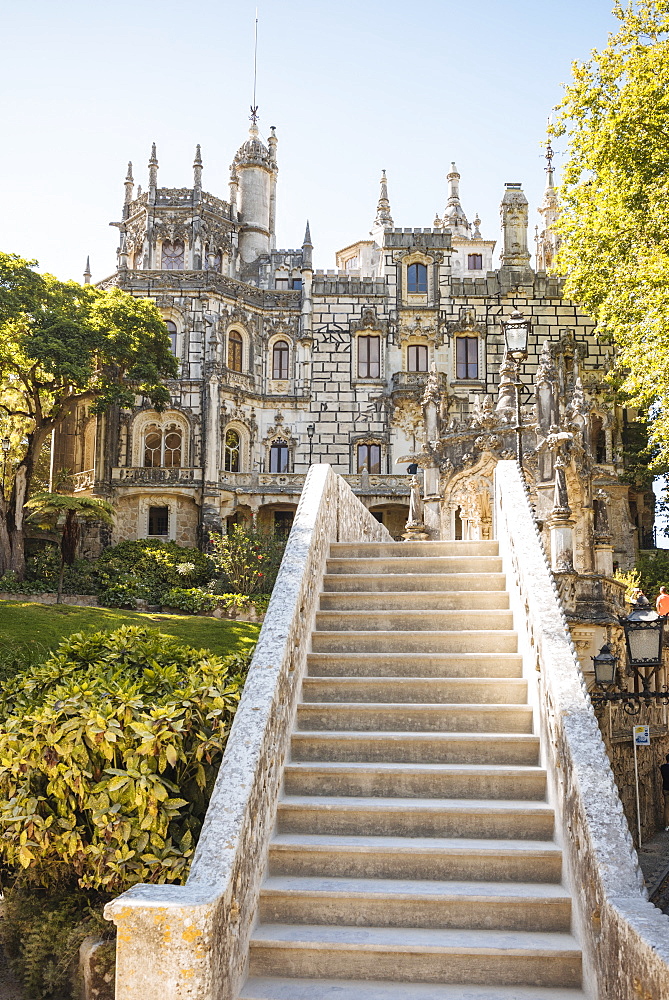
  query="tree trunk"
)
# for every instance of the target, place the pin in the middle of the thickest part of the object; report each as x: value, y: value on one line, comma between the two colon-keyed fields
x: 59, y: 595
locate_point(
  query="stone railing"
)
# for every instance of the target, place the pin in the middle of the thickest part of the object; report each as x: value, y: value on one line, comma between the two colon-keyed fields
x: 625, y: 939
x: 83, y: 480
x: 191, y: 942
x: 168, y: 477
x: 292, y: 482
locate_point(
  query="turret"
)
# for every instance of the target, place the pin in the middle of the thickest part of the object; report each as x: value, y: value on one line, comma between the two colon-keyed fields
x: 255, y: 168
x: 454, y: 216
x: 197, y: 173
x: 547, y: 240
x: 153, y: 174
x: 129, y: 185
x: 87, y: 272
x: 513, y: 211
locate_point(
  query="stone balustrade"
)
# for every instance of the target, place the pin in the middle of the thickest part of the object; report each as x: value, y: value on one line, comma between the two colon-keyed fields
x: 83, y: 480
x: 292, y: 482
x: 130, y: 475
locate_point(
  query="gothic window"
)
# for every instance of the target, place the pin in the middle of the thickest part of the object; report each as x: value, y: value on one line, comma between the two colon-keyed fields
x: 232, y: 450
x: 153, y: 440
x: 162, y: 448
x: 280, y: 355
x: 369, y: 458
x: 173, y: 256
x: 466, y: 357
x: 278, y: 457
x: 172, y: 448
x: 417, y: 358
x: 369, y: 357
x: 475, y: 262
x: 172, y: 332
x: 159, y: 520
x: 417, y: 278
x: 235, y: 351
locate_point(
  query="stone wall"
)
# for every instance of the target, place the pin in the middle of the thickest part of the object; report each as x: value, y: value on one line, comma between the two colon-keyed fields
x: 612, y: 915
x: 191, y: 942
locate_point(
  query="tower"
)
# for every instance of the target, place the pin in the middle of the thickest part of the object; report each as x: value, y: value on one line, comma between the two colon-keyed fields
x: 254, y: 173
x: 514, y: 215
x: 548, y: 240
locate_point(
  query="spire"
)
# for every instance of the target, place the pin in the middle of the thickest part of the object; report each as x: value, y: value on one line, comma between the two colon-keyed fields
x: 454, y: 216
x: 197, y: 169
x: 129, y: 184
x: 307, y: 247
x: 383, y: 217
x: 87, y: 272
x: 153, y: 172
x: 476, y: 235
x: 547, y: 241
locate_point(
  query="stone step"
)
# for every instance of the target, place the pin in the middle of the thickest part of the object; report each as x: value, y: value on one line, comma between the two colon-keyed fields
x: 362, y: 717
x: 415, y: 564
x: 413, y: 620
x: 415, y: 781
x: 417, y: 748
x: 409, y: 600
x: 377, y: 581
x: 483, y: 819
x: 405, y: 903
x: 346, y: 550
x: 418, y: 954
x: 278, y: 988
x: 449, y: 690
x: 373, y: 664
x: 482, y: 641
x: 459, y: 858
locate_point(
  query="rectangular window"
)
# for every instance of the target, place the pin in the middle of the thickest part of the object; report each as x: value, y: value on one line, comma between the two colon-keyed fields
x: 278, y: 458
x: 297, y: 284
x: 417, y: 358
x: 369, y: 458
x: 281, y: 283
x: 369, y: 357
x: 417, y: 278
x: 283, y: 522
x: 475, y: 262
x: 466, y: 357
x: 159, y: 519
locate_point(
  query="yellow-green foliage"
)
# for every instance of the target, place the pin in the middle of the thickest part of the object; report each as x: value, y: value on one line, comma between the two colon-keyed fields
x: 108, y: 754
x: 631, y: 579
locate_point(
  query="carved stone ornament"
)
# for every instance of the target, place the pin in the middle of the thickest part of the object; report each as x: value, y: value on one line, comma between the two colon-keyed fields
x: 467, y: 323
x: 368, y: 321
x: 420, y: 327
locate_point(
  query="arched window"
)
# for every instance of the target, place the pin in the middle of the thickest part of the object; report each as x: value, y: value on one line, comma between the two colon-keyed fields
x: 232, y: 450
x: 153, y: 440
x: 466, y: 357
x: 417, y: 278
x: 173, y: 256
x: 235, y: 350
x: 280, y: 355
x: 369, y: 458
x: 369, y: 357
x: 417, y: 358
x: 172, y: 331
x: 475, y: 262
x: 278, y: 457
x: 162, y: 447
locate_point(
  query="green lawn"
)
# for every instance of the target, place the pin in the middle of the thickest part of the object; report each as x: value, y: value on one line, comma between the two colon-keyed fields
x: 42, y: 626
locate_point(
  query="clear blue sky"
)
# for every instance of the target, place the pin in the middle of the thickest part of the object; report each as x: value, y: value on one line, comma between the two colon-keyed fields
x: 352, y: 87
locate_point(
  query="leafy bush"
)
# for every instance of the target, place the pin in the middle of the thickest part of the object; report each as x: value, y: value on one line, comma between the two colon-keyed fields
x: 192, y: 601
x: 653, y: 568
x: 124, y: 593
x: 249, y: 558
x: 108, y: 754
x: 631, y: 579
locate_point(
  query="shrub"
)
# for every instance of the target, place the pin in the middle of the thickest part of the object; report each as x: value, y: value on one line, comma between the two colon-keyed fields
x: 108, y: 754
x: 192, y: 601
x: 249, y: 558
x: 653, y: 568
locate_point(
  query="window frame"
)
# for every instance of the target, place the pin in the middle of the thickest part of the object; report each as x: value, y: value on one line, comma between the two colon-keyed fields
x: 158, y: 534
x: 173, y: 334
x: 228, y: 450
x: 465, y: 367
x: 360, y: 461
x: 417, y: 278
x: 179, y: 258
x: 418, y: 348
x: 281, y: 347
x: 159, y: 450
x: 475, y: 257
x: 364, y: 363
x: 235, y: 347
x: 278, y: 448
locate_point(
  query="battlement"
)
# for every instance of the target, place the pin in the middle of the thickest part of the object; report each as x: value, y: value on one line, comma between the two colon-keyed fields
x: 430, y: 239
x: 345, y: 283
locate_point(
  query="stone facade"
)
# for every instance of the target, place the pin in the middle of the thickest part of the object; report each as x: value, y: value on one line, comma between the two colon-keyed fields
x: 282, y: 366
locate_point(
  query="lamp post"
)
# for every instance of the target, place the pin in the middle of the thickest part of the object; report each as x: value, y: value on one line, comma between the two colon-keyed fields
x: 516, y: 334
x: 644, y: 633
x: 311, y: 430
x: 5, y: 450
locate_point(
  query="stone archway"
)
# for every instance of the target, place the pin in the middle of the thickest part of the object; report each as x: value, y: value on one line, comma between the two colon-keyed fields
x: 468, y: 502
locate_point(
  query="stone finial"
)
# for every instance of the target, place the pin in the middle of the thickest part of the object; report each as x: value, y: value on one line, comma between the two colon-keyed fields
x: 514, y: 214
x: 547, y: 239
x: 153, y: 171
x: 454, y: 216
x: 87, y: 272
x: 197, y: 169
x: 477, y: 232
x: 272, y: 143
x: 307, y: 248
x: 561, y: 508
x: 129, y: 184
x: 383, y: 216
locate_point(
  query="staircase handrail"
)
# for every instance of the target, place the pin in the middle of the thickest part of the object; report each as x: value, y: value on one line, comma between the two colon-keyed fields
x: 625, y: 938
x: 190, y: 942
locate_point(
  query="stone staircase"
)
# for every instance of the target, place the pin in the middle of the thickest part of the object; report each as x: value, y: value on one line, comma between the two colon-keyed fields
x: 414, y: 854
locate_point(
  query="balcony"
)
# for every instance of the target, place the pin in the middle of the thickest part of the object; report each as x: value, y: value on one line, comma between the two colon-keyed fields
x: 163, y: 477
x: 83, y: 480
x: 408, y: 385
x: 292, y: 483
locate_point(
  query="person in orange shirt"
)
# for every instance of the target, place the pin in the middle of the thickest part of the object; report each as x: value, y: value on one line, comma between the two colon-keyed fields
x: 662, y: 602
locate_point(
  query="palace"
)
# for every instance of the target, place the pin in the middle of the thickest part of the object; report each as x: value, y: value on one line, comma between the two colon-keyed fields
x: 393, y: 360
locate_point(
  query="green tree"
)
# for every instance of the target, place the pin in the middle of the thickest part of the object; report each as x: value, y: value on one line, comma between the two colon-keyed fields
x: 614, y: 224
x: 61, y: 344
x: 65, y: 514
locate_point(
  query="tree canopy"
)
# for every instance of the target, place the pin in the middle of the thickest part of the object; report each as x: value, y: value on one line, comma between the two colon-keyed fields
x: 62, y: 343
x: 614, y: 224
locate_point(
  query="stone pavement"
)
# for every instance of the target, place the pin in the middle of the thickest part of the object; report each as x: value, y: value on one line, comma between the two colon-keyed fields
x: 654, y: 861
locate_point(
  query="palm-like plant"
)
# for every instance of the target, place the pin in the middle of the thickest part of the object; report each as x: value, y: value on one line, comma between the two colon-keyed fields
x: 64, y: 513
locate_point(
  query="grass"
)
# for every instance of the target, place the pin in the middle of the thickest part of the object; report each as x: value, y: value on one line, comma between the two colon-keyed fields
x: 25, y: 626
